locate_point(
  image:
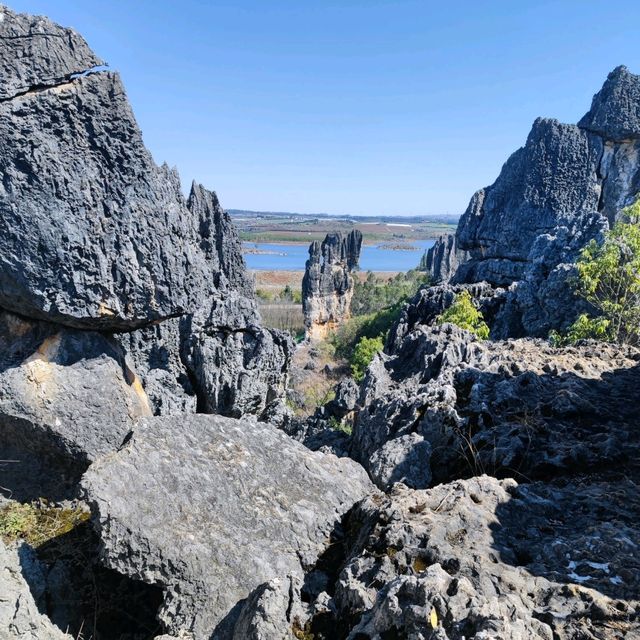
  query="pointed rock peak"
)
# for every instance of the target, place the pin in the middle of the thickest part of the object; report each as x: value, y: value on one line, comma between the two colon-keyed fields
x: 38, y: 53
x: 201, y: 197
x: 615, y: 110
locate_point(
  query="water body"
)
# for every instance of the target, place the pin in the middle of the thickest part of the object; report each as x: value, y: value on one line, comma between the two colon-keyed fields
x: 292, y: 257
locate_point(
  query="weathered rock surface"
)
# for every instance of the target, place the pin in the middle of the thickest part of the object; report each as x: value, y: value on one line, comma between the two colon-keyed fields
x: 20, y: 618
x: 64, y: 393
x: 563, y: 188
x: 327, y: 285
x: 210, y: 508
x: 518, y: 408
x: 94, y: 235
x: 485, y: 558
x: 443, y: 258
x: 615, y: 110
x: 37, y: 53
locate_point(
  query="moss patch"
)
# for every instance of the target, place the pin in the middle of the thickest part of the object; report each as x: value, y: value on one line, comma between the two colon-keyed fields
x: 38, y: 522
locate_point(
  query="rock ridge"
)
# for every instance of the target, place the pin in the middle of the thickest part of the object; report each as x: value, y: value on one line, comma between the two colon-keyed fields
x: 566, y: 186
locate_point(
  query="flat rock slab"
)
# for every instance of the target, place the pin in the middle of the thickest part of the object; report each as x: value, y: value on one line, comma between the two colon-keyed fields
x: 210, y: 508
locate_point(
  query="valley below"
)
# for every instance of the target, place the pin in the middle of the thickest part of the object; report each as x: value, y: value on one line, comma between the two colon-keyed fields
x: 234, y: 425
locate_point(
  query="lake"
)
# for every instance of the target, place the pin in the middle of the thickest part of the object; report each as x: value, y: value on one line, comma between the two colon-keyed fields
x: 292, y: 257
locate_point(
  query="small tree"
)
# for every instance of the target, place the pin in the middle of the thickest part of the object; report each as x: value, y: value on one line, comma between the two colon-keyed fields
x: 609, y: 278
x: 463, y: 314
x: 363, y: 355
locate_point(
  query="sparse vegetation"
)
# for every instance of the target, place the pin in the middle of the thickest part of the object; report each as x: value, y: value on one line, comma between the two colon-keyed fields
x: 464, y: 314
x: 376, y: 294
x: 339, y: 425
x: 38, y: 522
x: 608, y: 277
x: 363, y: 354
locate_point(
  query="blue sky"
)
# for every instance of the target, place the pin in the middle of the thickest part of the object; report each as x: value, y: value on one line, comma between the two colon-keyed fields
x: 354, y: 107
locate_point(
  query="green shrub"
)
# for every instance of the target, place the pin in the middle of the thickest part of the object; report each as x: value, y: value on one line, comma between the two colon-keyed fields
x: 463, y: 314
x: 372, y: 325
x: 608, y: 277
x: 363, y: 355
x: 264, y: 295
x: 339, y: 425
x: 376, y: 294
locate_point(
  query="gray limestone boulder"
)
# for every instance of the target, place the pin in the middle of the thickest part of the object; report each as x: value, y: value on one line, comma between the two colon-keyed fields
x: 485, y: 558
x: 22, y: 593
x: 406, y: 459
x: 274, y: 611
x: 65, y: 393
x: 211, y: 508
x: 517, y: 407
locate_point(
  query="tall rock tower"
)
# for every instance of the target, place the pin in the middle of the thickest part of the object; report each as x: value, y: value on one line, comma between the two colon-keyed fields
x: 327, y: 286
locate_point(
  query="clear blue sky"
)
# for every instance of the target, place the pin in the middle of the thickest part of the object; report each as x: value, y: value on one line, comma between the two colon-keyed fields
x: 354, y: 106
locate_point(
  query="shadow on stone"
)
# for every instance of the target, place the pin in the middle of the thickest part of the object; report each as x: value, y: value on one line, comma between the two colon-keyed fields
x: 86, y: 599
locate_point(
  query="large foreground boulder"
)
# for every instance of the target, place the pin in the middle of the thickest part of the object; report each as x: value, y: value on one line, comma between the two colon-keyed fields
x: 64, y: 393
x: 566, y: 186
x: 488, y: 559
x: 211, y: 508
x: 95, y: 236
x: 92, y: 233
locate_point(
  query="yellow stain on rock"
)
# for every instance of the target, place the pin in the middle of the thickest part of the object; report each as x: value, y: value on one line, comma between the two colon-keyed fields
x: 104, y: 311
x: 40, y: 370
x: 142, y: 396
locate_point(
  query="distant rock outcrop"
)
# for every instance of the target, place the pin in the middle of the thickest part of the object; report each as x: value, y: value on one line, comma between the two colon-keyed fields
x: 442, y: 259
x: 327, y: 285
x: 211, y: 508
x: 563, y: 188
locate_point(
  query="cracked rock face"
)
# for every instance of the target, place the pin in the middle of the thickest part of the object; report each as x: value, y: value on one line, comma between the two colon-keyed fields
x: 247, y: 504
x: 327, y: 285
x: 20, y: 618
x: 566, y: 186
x: 92, y: 233
x: 38, y: 53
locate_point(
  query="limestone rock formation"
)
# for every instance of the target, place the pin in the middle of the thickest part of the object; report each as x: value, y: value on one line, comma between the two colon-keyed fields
x: 563, y: 188
x: 20, y: 618
x: 486, y: 558
x: 211, y: 508
x: 518, y: 407
x: 443, y: 258
x: 63, y: 392
x: 327, y: 285
x: 94, y: 235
